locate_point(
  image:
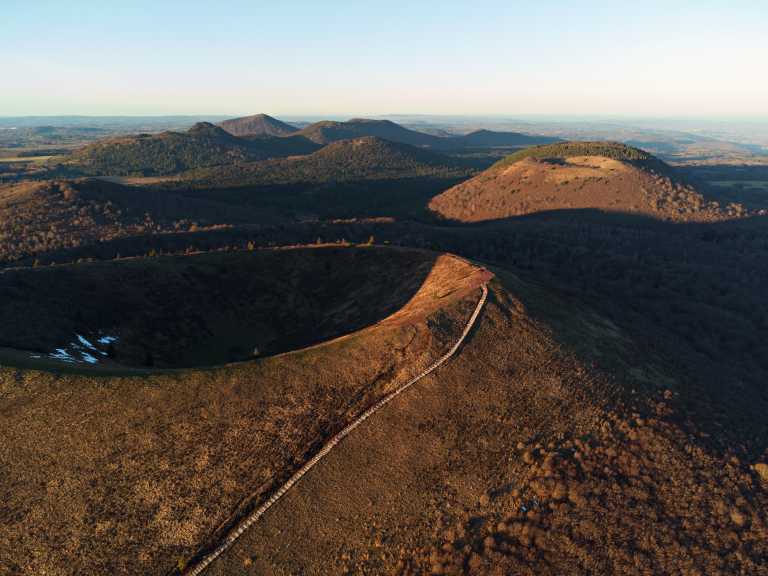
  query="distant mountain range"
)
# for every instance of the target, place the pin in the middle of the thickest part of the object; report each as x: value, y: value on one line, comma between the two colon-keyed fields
x: 681, y: 140
x: 261, y: 137
x: 171, y: 152
x: 327, y: 131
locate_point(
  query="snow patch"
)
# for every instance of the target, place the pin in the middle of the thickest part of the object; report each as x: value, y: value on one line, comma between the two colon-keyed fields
x: 63, y: 355
x: 82, y: 350
x: 85, y: 342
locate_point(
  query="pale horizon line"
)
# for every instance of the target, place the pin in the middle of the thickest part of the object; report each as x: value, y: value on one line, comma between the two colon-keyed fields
x: 496, y: 115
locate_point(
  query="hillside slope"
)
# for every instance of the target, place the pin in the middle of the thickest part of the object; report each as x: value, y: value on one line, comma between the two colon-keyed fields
x: 171, y: 152
x: 44, y: 216
x: 257, y: 125
x: 578, y: 175
x: 490, y: 138
x: 328, y: 131
x: 363, y: 158
x: 521, y: 456
x: 131, y: 474
x: 551, y: 444
x: 362, y: 177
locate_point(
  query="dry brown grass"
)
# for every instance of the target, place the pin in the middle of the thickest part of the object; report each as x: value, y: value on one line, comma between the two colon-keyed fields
x: 549, y: 445
x: 131, y: 475
x: 520, y: 457
x: 581, y: 182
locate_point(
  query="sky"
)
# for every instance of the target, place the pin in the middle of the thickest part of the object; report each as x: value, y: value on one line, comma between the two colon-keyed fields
x: 361, y: 58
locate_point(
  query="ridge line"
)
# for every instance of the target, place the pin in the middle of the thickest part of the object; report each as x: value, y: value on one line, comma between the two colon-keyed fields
x: 254, y: 516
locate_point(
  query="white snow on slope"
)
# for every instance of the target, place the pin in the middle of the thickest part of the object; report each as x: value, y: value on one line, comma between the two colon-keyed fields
x: 82, y: 350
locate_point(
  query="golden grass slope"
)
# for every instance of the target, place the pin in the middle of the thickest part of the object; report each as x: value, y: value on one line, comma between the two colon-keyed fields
x: 533, y: 185
x: 547, y: 447
x: 132, y: 475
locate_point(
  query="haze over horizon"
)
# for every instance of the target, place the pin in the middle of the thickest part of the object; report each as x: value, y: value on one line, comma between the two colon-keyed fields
x: 698, y: 59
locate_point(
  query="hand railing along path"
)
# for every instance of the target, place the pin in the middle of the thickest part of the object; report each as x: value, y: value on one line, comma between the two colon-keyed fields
x: 251, y: 518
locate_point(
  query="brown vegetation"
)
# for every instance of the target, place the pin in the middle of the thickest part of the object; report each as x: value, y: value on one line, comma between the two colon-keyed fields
x: 257, y: 125
x: 618, y: 427
x: 39, y: 217
x: 533, y: 184
x: 131, y: 475
x: 523, y: 456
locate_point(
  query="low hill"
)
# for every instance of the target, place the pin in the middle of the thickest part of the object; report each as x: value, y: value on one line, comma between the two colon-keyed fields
x: 358, y: 178
x: 578, y: 175
x: 490, y: 138
x: 327, y: 131
x: 45, y: 216
x: 362, y: 158
x: 171, y: 152
x: 257, y: 125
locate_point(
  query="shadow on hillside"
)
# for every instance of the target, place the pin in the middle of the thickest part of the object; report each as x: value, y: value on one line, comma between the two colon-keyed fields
x: 363, y: 198
x: 233, y: 303
x: 691, y: 296
x: 745, y: 184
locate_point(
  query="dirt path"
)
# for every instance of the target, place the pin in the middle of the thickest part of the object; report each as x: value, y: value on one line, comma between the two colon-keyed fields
x: 253, y: 517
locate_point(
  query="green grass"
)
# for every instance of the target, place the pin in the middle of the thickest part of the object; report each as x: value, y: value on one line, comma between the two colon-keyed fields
x: 613, y: 150
x: 752, y: 184
x: 28, y: 159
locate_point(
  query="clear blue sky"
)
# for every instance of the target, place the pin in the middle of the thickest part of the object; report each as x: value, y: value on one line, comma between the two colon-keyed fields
x: 291, y: 57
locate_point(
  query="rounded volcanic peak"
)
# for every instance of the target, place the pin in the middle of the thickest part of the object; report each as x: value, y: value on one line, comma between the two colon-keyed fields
x: 208, y: 130
x: 160, y: 154
x: 257, y: 125
x: 372, y: 122
x: 380, y: 151
x: 371, y: 157
x: 202, y: 128
x: 370, y: 161
x: 485, y: 137
x: 603, y: 176
x: 328, y: 131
